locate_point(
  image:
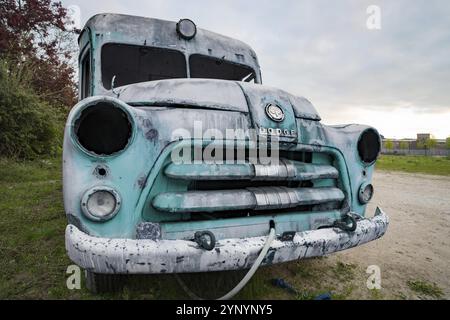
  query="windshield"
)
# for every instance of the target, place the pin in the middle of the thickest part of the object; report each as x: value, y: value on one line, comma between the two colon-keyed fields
x: 212, y: 68
x: 132, y: 64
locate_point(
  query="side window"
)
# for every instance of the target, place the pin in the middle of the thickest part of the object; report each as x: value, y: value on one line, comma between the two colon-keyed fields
x: 86, y: 74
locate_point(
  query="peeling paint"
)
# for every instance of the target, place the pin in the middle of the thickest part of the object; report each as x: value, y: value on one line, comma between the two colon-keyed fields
x: 152, y: 135
x: 142, y: 182
x: 104, y: 255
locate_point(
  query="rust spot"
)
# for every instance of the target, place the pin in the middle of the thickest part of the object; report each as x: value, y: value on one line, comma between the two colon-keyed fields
x: 152, y: 134
x: 147, y: 123
x: 142, y: 182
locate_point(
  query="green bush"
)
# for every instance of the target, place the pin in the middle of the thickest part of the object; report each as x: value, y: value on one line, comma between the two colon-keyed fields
x: 29, y: 127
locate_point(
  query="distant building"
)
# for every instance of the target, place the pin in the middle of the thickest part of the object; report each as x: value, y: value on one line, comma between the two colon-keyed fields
x: 414, y: 146
x: 424, y: 137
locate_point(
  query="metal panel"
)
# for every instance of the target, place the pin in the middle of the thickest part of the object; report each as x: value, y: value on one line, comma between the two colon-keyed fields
x: 195, y: 93
x: 253, y: 226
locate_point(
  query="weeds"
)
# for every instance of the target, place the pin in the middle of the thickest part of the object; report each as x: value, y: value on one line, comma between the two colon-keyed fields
x: 425, y: 288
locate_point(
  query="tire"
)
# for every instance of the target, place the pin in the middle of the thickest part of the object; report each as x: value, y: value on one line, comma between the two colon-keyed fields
x: 104, y: 283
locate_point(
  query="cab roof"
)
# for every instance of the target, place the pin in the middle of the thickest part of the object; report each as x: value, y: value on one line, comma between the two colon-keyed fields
x: 128, y: 29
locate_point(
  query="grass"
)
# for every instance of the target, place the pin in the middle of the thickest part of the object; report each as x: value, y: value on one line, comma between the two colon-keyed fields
x: 425, y: 288
x: 415, y: 164
x: 34, y: 261
x: 32, y: 222
x: 344, y: 271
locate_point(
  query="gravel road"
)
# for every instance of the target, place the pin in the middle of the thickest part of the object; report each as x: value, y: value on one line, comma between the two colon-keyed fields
x: 415, y: 248
x: 417, y: 244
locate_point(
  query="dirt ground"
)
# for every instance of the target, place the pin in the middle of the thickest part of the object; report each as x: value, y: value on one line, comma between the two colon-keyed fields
x: 413, y: 256
x: 417, y: 244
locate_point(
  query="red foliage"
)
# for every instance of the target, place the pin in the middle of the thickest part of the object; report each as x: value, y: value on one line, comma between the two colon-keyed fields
x: 31, y: 32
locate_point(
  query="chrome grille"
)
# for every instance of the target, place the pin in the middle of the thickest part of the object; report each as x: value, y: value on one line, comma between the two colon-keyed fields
x: 228, y: 188
x: 285, y: 170
x: 262, y: 198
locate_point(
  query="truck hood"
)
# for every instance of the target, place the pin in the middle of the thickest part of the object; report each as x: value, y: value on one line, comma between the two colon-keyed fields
x: 215, y: 94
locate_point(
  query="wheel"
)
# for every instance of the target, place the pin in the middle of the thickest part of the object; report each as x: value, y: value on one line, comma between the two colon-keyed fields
x: 104, y: 283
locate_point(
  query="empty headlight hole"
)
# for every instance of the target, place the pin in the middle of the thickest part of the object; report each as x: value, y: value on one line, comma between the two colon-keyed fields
x: 103, y: 128
x: 369, y: 146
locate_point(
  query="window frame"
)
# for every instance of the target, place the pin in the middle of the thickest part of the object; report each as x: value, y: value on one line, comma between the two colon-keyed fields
x: 86, y: 73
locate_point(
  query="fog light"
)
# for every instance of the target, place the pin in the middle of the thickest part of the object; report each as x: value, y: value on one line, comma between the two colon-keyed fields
x: 365, y: 193
x: 100, y: 203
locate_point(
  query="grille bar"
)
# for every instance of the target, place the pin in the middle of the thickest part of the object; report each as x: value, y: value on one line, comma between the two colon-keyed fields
x: 285, y: 170
x: 261, y: 198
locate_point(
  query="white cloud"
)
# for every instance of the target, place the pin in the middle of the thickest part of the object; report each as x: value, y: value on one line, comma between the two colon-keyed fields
x: 323, y: 50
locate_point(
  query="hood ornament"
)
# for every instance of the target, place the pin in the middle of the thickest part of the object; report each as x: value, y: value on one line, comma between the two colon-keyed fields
x: 274, y: 112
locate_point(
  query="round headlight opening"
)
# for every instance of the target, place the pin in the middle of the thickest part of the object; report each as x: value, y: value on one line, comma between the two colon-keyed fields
x: 186, y: 28
x: 100, y: 203
x: 103, y: 128
x: 365, y: 193
x: 369, y: 146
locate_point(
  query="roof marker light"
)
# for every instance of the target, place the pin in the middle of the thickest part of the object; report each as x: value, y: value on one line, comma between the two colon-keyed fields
x: 187, y: 29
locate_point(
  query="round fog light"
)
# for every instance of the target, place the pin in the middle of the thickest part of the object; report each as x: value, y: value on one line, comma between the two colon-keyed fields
x: 100, y: 203
x: 365, y: 193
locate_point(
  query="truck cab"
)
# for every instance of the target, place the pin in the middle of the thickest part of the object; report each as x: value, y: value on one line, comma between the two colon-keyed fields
x: 136, y: 49
x: 178, y: 159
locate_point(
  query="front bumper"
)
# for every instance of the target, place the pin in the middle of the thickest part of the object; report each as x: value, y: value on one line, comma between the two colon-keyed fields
x: 104, y: 255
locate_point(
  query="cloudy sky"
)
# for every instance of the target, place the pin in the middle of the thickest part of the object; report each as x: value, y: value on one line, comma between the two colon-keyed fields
x: 396, y: 79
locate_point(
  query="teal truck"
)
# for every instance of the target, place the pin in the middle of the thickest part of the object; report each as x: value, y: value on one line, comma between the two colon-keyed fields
x: 162, y: 163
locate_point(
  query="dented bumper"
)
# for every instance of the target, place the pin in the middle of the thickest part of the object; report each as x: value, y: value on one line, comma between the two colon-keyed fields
x: 104, y: 255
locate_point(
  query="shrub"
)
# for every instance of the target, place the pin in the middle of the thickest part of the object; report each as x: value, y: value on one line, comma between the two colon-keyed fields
x: 29, y: 127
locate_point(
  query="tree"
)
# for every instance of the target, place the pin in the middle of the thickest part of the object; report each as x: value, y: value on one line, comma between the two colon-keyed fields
x: 447, y: 142
x: 389, y: 144
x: 404, y: 145
x: 28, y: 126
x: 426, y: 144
x: 33, y: 33
x: 430, y: 143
